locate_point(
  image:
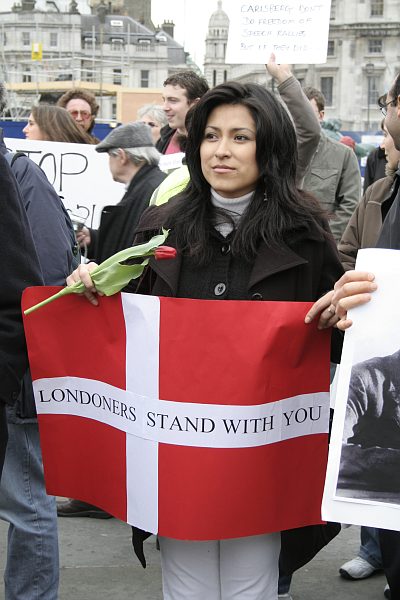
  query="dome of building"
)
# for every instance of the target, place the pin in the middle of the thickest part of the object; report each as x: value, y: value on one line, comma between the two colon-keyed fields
x: 219, y: 18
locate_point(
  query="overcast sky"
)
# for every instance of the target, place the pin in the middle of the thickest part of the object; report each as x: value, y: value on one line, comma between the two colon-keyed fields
x: 190, y: 17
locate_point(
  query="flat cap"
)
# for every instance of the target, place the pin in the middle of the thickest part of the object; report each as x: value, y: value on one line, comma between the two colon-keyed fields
x: 133, y: 135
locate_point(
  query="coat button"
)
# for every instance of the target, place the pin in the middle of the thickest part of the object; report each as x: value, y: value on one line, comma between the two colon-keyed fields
x: 257, y: 296
x: 225, y: 249
x: 219, y: 289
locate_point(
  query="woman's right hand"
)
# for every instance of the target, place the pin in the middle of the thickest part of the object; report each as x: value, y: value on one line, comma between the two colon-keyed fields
x: 280, y: 72
x: 353, y: 289
x: 82, y: 274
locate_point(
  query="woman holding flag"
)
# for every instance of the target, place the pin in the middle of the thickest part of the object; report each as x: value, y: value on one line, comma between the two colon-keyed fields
x: 243, y: 231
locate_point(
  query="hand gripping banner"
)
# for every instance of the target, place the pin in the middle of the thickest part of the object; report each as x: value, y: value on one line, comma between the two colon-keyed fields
x: 194, y: 419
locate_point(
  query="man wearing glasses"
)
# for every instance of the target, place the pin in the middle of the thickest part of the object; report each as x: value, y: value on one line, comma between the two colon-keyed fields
x: 82, y: 106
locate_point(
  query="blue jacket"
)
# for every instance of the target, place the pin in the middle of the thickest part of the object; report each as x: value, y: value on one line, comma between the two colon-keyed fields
x: 52, y: 234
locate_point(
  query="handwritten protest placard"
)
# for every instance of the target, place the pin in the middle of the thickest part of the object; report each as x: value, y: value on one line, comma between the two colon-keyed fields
x: 78, y: 173
x: 297, y: 32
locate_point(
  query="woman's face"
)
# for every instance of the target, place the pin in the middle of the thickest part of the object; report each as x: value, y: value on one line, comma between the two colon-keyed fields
x: 155, y: 127
x: 228, y: 151
x: 31, y: 130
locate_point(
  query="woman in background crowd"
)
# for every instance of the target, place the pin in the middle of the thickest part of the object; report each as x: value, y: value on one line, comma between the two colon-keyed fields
x: 54, y: 124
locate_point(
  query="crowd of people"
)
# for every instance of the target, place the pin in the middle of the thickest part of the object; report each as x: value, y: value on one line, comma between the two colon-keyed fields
x: 261, y: 185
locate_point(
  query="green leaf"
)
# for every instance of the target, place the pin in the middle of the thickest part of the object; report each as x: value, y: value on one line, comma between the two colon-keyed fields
x: 111, y: 276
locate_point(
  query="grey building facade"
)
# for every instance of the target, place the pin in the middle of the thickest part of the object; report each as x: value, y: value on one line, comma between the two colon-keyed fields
x: 363, y: 57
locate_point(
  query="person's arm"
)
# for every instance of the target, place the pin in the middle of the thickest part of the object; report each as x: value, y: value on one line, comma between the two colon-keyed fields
x: 52, y: 236
x: 348, y: 194
x: 306, y: 123
x: 19, y: 268
x: 350, y: 242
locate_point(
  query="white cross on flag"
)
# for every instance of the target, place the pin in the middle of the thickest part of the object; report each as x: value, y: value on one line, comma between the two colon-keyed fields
x: 194, y: 419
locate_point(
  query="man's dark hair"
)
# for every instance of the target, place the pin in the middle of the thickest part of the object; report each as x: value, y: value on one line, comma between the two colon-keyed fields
x: 277, y: 208
x: 394, y: 91
x: 317, y: 95
x: 3, y: 101
x: 194, y: 85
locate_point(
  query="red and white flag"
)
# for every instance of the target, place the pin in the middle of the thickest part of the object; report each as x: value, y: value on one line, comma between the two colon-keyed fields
x: 194, y: 419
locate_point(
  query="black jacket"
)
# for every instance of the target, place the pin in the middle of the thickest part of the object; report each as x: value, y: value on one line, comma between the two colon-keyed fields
x: 118, y: 223
x: 53, y: 237
x: 19, y: 268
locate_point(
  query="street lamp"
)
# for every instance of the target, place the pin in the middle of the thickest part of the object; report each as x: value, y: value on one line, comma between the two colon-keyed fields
x: 369, y: 69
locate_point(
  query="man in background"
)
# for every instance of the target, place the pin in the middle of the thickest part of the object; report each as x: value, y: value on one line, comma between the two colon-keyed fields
x: 333, y: 175
x: 181, y: 91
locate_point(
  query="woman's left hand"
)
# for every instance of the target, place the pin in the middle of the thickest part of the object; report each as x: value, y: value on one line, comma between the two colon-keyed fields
x: 82, y: 275
x: 353, y: 289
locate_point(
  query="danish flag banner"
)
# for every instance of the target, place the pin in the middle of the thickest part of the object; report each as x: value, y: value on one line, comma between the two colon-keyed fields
x: 194, y: 419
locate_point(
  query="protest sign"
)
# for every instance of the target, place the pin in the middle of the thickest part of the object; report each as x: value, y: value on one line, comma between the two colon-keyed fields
x: 195, y: 419
x: 363, y: 477
x: 79, y: 174
x: 297, y: 32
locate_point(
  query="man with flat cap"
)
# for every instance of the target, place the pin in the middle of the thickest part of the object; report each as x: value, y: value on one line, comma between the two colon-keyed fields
x: 134, y: 162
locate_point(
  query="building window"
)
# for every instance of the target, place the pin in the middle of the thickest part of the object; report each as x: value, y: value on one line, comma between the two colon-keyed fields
x: 225, y: 75
x: 373, y: 89
x: 117, y: 76
x: 89, y: 43
x: 331, y: 48
x: 144, y: 78
x: 375, y: 46
x: 116, y: 44
x: 377, y: 8
x: 53, y: 39
x: 26, y: 38
x: 88, y: 74
x: 333, y: 10
x: 26, y: 77
x: 327, y: 89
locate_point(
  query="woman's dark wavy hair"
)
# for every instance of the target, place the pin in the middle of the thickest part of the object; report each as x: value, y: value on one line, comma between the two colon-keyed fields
x: 277, y: 207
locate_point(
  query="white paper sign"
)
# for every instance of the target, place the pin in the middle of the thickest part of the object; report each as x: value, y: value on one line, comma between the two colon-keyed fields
x: 297, y: 32
x: 79, y: 174
x: 363, y: 477
x: 170, y: 162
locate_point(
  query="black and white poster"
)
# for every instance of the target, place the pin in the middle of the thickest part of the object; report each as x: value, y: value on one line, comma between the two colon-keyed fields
x: 363, y: 477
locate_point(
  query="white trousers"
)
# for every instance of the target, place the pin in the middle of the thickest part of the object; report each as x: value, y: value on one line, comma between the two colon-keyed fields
x: 237, y: 569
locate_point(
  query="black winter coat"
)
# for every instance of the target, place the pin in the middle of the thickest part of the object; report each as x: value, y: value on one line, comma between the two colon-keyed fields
x: 19, y: 268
